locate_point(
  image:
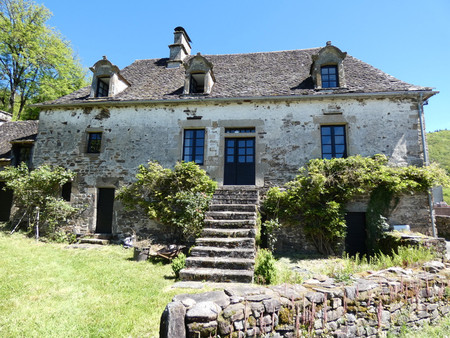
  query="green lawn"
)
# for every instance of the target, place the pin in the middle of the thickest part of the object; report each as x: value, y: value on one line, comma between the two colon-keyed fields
x: 47, y: 290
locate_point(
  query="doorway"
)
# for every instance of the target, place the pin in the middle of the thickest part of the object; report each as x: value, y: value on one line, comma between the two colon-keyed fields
x: 355, y: 241
x: 6, y: 198
x: 105, y: 205
x: 239, y: 161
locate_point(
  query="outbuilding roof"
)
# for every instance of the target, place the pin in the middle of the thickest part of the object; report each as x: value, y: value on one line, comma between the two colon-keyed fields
x: 268, y: 74
x: 10, y: 131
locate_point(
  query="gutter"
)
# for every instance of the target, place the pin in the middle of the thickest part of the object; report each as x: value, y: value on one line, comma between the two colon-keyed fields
x: 190, y: 100
x: 426, y: 160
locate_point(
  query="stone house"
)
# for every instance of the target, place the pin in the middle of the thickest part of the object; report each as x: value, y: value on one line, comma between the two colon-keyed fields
x: 247, y: 119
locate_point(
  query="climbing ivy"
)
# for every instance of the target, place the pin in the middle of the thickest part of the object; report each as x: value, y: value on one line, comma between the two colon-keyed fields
x: 316, y: 198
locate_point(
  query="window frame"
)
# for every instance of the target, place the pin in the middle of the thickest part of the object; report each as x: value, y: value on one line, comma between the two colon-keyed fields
x: 90, y: 149
x: 102, y: 87
x: 333, y: 143
x: 194, y: 146
x: 328, y: 82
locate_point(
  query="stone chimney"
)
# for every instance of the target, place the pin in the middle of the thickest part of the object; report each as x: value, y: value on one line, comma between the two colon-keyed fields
x: 179, y: 49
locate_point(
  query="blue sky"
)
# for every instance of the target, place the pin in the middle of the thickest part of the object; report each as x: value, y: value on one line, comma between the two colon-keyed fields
x: 409, y: 39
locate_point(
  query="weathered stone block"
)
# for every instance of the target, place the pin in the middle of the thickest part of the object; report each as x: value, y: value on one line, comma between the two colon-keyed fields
x: 172, y: 321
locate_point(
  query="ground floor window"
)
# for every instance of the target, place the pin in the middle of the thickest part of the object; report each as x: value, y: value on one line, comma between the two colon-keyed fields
x: 194, y: 145
x: 333, y: 141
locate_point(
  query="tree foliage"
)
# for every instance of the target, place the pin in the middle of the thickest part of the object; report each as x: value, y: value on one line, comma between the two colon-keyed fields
x: 36, y: 63
x: 316, y: 198
x: 178, y: 197
x: 39, y: 191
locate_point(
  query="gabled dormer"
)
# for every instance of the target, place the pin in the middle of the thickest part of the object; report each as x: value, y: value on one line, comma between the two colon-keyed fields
x: 107, y: 80
x: 327, y: 69
x: 199, y: 76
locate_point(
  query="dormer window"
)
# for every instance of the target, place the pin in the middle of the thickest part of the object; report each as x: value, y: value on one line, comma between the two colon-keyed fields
x: 199, y: 77
x: 327, y: 69
x: 329, y: 76
x: 107, y: 80
x: 102, y: 87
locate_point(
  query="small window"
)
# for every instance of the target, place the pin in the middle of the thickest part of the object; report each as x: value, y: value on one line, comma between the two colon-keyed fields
x: 333, y: 142
x: 21, y: 153
x: 329, y: 76
x: 194, y: 145
x: 94, y: 143
x: 197, y: 83
x: 239, y: 130
x: 102, y: 87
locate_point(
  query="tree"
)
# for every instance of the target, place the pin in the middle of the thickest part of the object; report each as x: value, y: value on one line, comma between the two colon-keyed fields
x: 38, y: 191
x: 36, y: 62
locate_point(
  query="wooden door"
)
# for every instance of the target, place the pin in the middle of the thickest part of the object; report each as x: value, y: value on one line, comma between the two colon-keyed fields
x: 239, y: 161
x: 105, y: 204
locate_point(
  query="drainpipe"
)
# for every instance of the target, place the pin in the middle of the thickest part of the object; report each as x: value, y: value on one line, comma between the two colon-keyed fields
x: 427, y: 161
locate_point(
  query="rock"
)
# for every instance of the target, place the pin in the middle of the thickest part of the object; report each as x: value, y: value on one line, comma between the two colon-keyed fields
x: 272, y: 305
x: 202, y: 329
x: 234, y: 312
x: 172, y: 321
x: 218, y: 297
x: 433, y: 266
x: 203, y: 312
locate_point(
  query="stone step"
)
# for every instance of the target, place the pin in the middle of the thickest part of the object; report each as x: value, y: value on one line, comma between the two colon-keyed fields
x: 233, y: 207
x: 230, y: 215
x: 233, y: 200
x: 216, y: 275
x: 98, y: 241
x: 209, y: 251
x: 230, y: 224
x: 230, y: 233
x: 220, y: 263
x: 232, y: 243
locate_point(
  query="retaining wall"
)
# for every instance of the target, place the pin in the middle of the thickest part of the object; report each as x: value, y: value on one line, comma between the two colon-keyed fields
x: 371, y: 306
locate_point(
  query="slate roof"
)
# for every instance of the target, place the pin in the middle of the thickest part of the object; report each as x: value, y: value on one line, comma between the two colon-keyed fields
x: 9, y: 131
x: 268, y: 74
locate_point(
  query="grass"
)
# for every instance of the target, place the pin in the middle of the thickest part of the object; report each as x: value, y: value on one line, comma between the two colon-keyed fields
x: 47, y: 290
x: 439, y: 330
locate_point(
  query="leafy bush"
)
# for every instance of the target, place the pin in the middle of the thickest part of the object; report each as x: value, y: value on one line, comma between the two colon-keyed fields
x: 270, y: 227
x: 178, y: 197
x: 178, y: 263
x: 265, y: 270
x: 316, y: 198
x: 37, y: 192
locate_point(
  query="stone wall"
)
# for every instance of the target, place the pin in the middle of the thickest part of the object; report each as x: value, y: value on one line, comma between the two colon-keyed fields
x: 443, y: 226
x: 382, y: 302
x: 287, y: 135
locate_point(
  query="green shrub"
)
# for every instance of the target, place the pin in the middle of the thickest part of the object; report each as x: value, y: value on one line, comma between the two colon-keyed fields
x: 178, y: 263
x: 265, y: 270
x: 178, y: 197
x: 37, y: 195
x: 270, y: 228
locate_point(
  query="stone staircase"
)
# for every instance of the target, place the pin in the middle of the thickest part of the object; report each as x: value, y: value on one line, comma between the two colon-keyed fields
x: 226, y: 250
x: 100, y: 239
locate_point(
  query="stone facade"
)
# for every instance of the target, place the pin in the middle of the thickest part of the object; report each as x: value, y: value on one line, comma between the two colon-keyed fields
x: 371, y: 306
x: 443, y: 226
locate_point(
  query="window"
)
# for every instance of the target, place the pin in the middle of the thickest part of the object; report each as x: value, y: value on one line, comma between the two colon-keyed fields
x: 102, y: 87
x: 329, y: 76
x: 94, y: 143
x: 197, y: 83
x: 21, y: 153
x: 333, y: 142
x: 66, y: 191
x: 193, y: 147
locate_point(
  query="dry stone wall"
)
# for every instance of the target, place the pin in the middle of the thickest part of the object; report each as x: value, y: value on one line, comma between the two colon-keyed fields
x: 443, y: 226
x: 371, y: 306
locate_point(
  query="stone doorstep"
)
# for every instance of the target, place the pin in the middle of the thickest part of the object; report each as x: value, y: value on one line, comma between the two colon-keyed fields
x: 233, y: 207
x: 231, y: 223
x: 232, y: 200
x: 226, y: 242
x: 94, y: 241
x: 230, y: 233
x: 217, y: 275
x: 209, y: 251
x: 220, y: 263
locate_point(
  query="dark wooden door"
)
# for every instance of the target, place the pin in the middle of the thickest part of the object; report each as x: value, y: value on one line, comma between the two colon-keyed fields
x: 6, y: 198
x: 355, y: 241
x: 105, y: 204
x: 239, y: 161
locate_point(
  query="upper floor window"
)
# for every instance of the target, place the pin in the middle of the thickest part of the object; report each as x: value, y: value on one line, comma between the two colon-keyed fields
x: 194, y: 145
x: 329, y: 76
x: 94, y: 143
x: 199, y: 77
x: 102, y: 87
x: 197, y: 83
x: 334, y: 143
